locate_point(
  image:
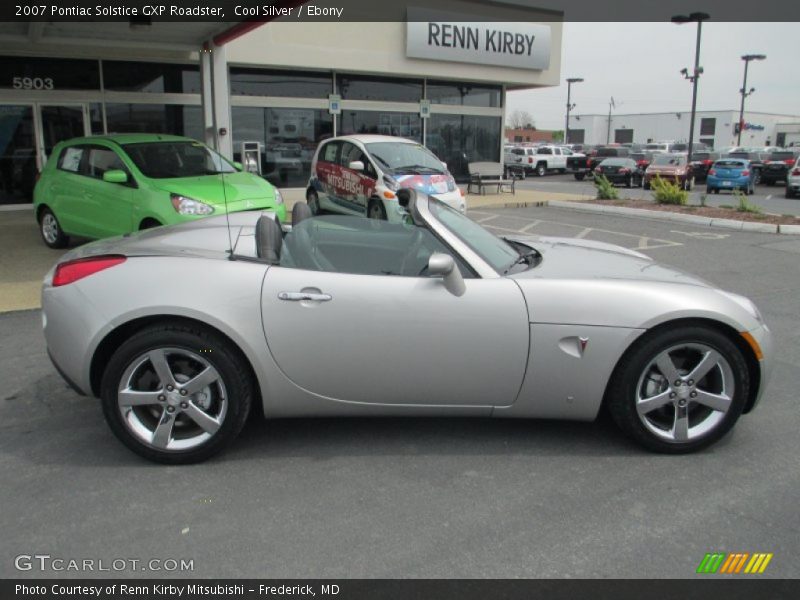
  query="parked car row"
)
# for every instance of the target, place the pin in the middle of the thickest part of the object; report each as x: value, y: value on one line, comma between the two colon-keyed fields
x: 101, y: 186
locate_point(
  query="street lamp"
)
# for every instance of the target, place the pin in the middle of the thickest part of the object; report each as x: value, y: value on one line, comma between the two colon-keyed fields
x: 695, y: 17
x: 744, y: 92
x: 570, y: 81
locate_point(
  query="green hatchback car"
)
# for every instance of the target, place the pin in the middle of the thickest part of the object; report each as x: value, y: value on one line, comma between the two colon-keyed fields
x: 102, y: 186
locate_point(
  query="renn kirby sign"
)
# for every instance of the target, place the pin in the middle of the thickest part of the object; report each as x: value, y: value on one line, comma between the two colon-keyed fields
x: 520, y: 45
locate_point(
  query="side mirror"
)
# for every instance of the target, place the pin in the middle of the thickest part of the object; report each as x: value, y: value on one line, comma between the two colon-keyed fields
x: 443, y: 265
x: 115, y: 176
x: 238, y: 166
x: 356, y: 165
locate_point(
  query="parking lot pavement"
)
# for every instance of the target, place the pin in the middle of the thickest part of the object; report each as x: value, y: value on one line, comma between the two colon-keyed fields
x: 421, y: 497
x: 768, y: 198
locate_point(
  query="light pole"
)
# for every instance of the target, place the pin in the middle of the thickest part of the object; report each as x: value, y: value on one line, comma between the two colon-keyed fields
x: 746, y: 58
x: 695, y: 17
x: 570, y: 81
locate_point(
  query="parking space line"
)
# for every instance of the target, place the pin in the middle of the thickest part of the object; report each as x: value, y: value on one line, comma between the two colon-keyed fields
x: 530, y: 226
x: 642, y: 242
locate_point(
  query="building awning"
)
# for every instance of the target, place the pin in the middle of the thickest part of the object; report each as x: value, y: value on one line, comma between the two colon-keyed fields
x: 164, y: 36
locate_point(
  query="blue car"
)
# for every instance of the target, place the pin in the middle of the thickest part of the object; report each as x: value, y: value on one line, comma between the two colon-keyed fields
x: 730, y: 174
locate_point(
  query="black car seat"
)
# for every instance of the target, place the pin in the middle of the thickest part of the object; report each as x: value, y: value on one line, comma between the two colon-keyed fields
x: 269, y: 239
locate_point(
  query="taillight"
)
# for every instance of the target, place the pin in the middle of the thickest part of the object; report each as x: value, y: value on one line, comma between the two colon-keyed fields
x: 708, y: 162
x: 74, y: 270
x: 745, y: 173
x: 712, y: 171
x: 530, y: 160
x: 796, y: 172
x: 789, y: 161
x: 598, y: 170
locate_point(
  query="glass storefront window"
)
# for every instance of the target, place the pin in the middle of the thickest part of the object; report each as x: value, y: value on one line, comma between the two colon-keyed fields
x: 461, y: 139
x: 154, y: 78
x: 173, y: 119
x: 287, y: 84
x: 17, y: 154
x: 362, y: 87
x: 288, y: 138
x: 407, y: 125
x: 96, y: 118
x: 463, y: 94
x: 27, y: 73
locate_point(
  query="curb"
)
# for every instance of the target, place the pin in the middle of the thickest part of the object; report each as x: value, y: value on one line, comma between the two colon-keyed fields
x: 680, y: 217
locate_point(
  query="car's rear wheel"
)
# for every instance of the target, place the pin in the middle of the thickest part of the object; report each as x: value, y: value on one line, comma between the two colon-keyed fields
x: 376, y: 210
x: 176, y: 393
x: 541, y: 170
x: 580, y: 176
x: 52, y: 234
x: 312, y: 199
x: 680, y: 389
x: 629, y: 181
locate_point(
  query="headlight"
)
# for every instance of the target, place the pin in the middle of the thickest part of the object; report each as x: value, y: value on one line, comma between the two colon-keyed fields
x: 187, y: 206
x: 278, y: 197
x: 391, y: 183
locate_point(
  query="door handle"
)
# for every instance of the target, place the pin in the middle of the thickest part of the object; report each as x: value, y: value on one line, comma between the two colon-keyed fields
x: 298, y: 296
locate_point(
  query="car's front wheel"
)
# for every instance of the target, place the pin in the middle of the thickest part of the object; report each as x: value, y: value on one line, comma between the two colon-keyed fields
x: 176, y: 393
x: 376, y: 210
x: 312, y: 199
x: 52, y: 234
x: 679, y: 389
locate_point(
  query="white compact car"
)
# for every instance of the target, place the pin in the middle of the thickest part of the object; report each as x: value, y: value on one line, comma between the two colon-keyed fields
x: 361, y: 174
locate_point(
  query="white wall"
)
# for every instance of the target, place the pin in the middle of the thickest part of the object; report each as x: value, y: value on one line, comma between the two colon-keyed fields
x: 376, y: 48
x: 668, y: 126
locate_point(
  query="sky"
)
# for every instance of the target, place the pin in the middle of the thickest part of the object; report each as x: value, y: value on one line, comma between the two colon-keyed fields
x: 639, y: 65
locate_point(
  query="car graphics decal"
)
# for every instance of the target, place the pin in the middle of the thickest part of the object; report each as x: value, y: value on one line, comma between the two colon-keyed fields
x: 345, y: 187
x: 429, y: 184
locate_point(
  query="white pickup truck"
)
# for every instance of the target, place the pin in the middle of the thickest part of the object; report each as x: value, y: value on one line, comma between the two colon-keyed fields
x: 523, y: 160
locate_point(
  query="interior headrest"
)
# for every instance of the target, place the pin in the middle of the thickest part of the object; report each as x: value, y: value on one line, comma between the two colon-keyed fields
x: 269, y: 239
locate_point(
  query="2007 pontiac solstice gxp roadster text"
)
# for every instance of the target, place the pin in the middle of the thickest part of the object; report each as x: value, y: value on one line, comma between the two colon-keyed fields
x: 180, y: 334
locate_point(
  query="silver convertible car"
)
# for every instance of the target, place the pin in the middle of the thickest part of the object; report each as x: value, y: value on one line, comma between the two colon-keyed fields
x: 182, y: 330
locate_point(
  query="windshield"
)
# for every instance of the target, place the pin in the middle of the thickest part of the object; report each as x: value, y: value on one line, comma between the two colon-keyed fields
x: 401, y: 157
x: 615, y: 162
x: 498, y: 253
x: 666, y: 160
x: 730, y: 164
x: 166, y: 160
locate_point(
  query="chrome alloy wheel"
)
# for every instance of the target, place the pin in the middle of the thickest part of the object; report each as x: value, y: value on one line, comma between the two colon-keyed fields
x: 172, y: 399
x: 50, y: 228
x: 685, y: 392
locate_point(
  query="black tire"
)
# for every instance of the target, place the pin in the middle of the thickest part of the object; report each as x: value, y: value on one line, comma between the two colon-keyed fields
x: 623, y: 390
x: 646, y: 185
x: 312, y: 199
x: 580, y: 176
x: 217, y: 352
x: 629, y: 181
x: 541, y: 169
x: 376, y: 210
x: 788, y: 193
x: 756, y: 176
x: 50, y: 230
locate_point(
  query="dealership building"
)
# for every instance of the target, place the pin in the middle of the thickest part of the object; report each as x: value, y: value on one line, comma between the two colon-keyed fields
x: 717, y: 129
x: 280, y: 87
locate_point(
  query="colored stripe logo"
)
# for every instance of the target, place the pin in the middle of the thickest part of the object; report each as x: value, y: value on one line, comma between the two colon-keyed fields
x: 734, y: 563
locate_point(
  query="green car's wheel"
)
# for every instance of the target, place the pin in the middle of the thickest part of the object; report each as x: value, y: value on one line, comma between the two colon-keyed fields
x: 51, y: 231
